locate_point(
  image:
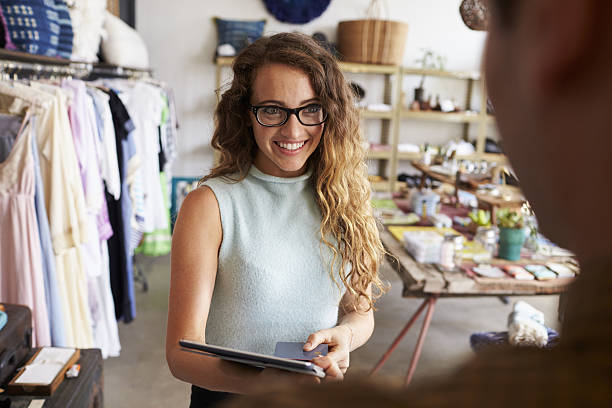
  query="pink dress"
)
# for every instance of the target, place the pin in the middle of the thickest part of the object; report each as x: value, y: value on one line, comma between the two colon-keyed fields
x: 21, y: 273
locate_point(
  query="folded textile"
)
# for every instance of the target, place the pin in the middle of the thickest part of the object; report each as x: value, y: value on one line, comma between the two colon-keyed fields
x: 526, y: 326
x: 484, y: 340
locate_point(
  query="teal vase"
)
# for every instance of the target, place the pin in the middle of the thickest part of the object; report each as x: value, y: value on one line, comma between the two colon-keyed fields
x: 511, y: 241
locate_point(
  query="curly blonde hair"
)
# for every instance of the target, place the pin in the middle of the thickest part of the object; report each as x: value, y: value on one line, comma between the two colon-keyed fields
x: 338, y: 163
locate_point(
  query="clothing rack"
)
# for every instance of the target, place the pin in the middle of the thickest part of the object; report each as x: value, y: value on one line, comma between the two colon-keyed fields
x: 15, y: 64
x: 20, y: 65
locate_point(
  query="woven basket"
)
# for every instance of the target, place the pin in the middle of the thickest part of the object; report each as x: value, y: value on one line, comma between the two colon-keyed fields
x: 372, y: 41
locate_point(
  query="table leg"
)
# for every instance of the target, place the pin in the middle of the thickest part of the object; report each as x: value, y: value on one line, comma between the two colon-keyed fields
x: 419, y: 346
x: 387, y: 354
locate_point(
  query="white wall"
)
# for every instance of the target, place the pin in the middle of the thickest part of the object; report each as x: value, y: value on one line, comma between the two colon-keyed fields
x: 181, y: 37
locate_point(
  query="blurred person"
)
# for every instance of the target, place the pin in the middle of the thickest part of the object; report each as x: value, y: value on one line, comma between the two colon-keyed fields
x: 547, y: 65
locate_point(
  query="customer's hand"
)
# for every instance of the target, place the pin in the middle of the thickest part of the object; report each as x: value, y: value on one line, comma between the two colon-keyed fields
x: 338, y: 339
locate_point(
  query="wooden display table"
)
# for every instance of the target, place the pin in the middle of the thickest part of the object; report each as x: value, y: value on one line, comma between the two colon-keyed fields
x: 427, y: 281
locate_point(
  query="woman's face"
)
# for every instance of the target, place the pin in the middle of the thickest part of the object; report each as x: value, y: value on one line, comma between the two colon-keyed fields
x: 283, y: 150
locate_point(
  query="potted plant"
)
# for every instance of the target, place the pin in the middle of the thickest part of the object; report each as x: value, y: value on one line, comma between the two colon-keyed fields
x: 511, y: 234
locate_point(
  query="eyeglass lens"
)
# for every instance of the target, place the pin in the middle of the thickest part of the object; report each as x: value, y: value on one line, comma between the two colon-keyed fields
x: 274, y: 115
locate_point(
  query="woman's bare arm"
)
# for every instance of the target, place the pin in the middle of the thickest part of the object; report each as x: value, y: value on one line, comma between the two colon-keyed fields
x: 195, y: 247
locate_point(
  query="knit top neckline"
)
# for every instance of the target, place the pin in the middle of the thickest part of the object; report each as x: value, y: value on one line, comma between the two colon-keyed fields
x: 255, y: 172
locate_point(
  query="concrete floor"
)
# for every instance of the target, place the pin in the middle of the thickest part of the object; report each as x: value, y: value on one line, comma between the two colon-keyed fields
x: 140, y: 377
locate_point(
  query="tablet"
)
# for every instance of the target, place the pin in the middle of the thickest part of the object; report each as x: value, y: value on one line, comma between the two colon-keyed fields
x: 254, y: 359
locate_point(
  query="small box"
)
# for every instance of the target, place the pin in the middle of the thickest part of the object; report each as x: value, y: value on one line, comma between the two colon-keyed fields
x: 68, y: 357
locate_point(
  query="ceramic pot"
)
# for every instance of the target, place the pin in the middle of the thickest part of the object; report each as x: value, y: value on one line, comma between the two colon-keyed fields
x: 511, y: 241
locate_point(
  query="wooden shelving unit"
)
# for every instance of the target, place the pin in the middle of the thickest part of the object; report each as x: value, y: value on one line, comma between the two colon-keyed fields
x: 388, y: 160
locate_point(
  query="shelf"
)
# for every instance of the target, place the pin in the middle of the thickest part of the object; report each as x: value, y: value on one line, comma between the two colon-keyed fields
x: 381, y: 185
x: 344, y: 66
x: 408, y: 156
x: 475, y: 75
x: 368, y: 68
x: 451, y: 117
x: 373, y: 114
x: 490, y: 157
x: 379, y: 154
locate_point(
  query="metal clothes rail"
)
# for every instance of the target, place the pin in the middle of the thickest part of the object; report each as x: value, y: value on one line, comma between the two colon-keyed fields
x: 19, y: 64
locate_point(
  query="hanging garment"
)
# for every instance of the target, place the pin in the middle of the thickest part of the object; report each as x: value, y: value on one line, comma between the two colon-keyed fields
x: 67, y: 212
x: 120, y: 214
x: 85, y: 134
x: 52, y: 293
x: 144, y: 104
x: 158, y: 242
x: 22, y: 280
x: 107, y: 149
x: 54, y: 305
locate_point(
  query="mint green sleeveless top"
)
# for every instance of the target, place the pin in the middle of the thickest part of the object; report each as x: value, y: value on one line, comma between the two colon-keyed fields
x: 273, y: 282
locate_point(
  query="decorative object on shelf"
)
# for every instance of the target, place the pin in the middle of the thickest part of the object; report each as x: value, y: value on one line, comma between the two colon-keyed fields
x: 474, y: 14
x: 491, y: 146
x: 373, y: 40
x: 328, y: 45
x: 88, y: 26
x: 429, y: 60
x: 296, y: 11
x: 32, y: 25
x: 511, y: 234
x: 5, y: 35
x: 66, y: 36
x: 122, y: 45
x: 226, y: 50
x: 238, y: 33
x: 358, y: 90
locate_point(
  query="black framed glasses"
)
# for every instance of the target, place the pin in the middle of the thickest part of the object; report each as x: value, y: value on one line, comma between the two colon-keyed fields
x: 272, y: 115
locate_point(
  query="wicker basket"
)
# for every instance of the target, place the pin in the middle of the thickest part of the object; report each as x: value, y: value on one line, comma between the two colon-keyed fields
x: 372, y: 41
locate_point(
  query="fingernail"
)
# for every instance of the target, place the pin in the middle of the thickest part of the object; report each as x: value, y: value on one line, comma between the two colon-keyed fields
x: 308, y: 345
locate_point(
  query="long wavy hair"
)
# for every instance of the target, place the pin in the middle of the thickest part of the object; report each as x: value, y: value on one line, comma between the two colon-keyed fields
x: 338, y: 163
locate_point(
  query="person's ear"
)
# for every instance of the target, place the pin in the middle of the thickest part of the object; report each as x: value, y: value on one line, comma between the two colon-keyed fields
x: 559, y: 39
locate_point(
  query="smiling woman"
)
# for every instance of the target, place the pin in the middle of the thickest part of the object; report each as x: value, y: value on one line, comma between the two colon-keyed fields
x: 279, y: 242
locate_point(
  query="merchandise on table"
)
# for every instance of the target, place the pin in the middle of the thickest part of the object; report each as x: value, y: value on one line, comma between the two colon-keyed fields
x: 562, y: 271
x: 541, y: 272
x: 489, y: 271
x: 424, y: 246
x: 518, y: 272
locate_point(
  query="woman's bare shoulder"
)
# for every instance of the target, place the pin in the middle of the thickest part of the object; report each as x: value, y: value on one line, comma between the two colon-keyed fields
x: 199, y: 209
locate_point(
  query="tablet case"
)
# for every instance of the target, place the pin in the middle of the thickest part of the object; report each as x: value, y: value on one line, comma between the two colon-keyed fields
x: 14, y: 388
x: 254, y: 359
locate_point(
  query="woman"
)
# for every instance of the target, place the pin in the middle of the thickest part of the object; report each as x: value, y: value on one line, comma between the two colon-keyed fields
x: 279, y: 242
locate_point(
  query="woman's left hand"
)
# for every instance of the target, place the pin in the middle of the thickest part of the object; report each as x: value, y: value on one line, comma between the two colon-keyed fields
x: 338, y: 339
